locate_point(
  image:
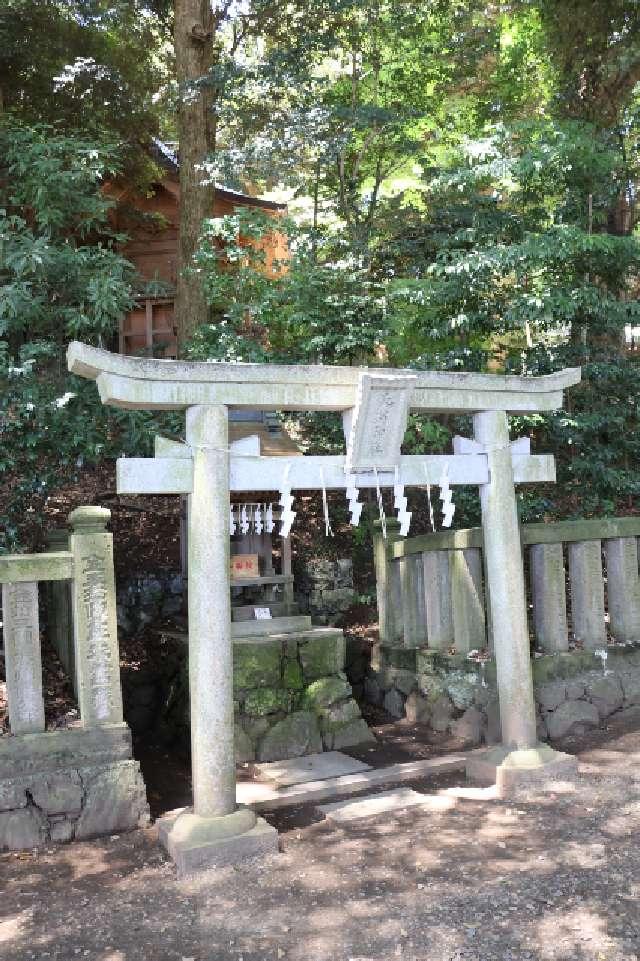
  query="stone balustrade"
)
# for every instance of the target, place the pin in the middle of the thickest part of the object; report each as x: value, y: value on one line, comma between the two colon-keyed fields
x: 82, y: 782
x: 431, y: 587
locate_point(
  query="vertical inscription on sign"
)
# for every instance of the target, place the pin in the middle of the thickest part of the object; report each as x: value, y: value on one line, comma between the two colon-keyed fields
x: 95, y: 632
x: 99, y: 654
x: 22, y: 657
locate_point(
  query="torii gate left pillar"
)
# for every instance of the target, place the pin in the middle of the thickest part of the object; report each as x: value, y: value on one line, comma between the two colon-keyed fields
x: 216, y: 830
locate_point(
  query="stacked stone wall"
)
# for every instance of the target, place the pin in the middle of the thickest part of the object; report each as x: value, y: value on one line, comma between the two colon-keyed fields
x: 573, y: 691
x: 291, y: 697
x: 324, y: 588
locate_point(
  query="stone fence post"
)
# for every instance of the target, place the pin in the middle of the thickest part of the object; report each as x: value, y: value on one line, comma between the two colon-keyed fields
x: 93, y: 603
x: 388, y: 584
x: 23, y: 661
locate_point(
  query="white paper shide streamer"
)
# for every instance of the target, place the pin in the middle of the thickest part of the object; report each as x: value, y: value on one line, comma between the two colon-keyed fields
x: 429, y: 501
x: 257, y: 519
x: 232, y: 522
x: 383, y: 516
x: 325, y: 506
x: 446, y: 499
x: 400, y: 504
x: 355, y: 507
x: 287, y: 515
x: 269, y: 523
x: 244, y: 519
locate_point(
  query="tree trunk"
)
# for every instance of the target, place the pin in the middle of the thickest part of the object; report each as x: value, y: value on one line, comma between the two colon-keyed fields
x: 193, y: 39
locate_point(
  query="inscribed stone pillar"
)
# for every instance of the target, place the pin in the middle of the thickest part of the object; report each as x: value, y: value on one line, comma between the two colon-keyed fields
x: 210, y: 645
x: 388, y: 588
x: 623, y: 588
x: 93, y: 601
x: 437, y: 591
x: 467, y: 602
x: 22, y: 657
x: 505, y: 583
x: 549, y: 597
x: 587, y: 593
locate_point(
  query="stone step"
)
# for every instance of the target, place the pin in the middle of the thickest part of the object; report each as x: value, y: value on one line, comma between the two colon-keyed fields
x: 387, y: 802
x: 264, y: 797
x: 271, y: 625
x: 310, y: 767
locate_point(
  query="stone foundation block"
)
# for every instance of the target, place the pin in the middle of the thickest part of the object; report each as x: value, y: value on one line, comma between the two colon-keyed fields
x: 517, y: 772
x: 24, y: 828
x: 351, y: 734
x: 606, y: 694
x: 571, y: 717
x: 196, y: 844
x: 115, y: 800
x: 58, y: 793
x: 295, y: 735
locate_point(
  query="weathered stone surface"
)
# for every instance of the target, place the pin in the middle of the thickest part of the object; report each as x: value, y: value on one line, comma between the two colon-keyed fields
x: 325, y: 691
x: 469, y: 728
x: 372, y: 692
x: 606, y: 694
x: 549, y: 596
x: 322, y: 655
x: 356, y: 732
x: 394, y: 703
x: 295, y: 735
x: 292, y: 675
x: 62, y: 830
x: 571, y: 717
x: 23, y: 668
x: 431, y: 686
x: 631, y: 687
x: 25, y: 828
x: 12, y: 795
x: 417, y: 709
x: 256, y: 664
x: 551, y: 694
x: 256, y: 727
x: 461, y: 689
x: 266, y: 700
x: 243, y: 746
x: 312, y: 767
x: 441, y: 712
x: 58, y: 793
x: 575, y: 689
x: 115, y: 800
x: 405, y: 681
x: 339, y: 714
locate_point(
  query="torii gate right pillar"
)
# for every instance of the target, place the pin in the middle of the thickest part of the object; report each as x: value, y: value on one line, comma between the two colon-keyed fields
x: 519, y: 762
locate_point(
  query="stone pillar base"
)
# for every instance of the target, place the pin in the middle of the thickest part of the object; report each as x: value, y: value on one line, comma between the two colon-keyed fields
x: 517, y: 771
x: 197, y: 843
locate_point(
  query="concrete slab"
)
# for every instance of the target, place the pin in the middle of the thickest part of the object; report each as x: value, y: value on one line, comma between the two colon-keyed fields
x: 264, y: 797
x: 312, y: 767
x: 388, y: 802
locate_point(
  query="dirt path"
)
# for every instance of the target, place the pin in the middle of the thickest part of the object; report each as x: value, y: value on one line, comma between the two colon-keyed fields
x: 554, y: 879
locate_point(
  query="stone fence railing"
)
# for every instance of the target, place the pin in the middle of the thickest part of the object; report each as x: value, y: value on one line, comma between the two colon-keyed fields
x: 78, y: 782
x: 430, y: 588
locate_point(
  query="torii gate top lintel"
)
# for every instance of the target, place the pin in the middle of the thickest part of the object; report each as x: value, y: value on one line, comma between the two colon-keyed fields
x: 134, y: 383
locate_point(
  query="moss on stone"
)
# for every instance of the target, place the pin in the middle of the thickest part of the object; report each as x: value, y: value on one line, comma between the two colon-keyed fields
x: 266, y: 700
x: 256, y: 664
x: 292, y: 676
x: 324, y: 692
x: 322, y: 655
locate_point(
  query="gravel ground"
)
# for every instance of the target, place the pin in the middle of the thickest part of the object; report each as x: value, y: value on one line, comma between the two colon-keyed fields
x: 552, y: 877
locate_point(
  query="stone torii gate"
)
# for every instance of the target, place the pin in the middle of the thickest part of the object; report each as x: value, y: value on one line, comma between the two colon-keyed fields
x: 374, y: 404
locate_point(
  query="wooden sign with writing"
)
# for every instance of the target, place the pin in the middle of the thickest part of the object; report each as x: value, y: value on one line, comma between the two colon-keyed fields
x: 245, y: 565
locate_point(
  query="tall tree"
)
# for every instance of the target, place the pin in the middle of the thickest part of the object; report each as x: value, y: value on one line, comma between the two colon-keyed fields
x: 195, y: 26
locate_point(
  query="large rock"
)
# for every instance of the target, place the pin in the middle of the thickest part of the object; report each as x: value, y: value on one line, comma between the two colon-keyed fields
x: 631, y: 688
x: 294, y: 736
x: 243, y: 746
x: 13, y: 794
x: 324, y: 692
x: 394, y: 703
x: 470, y: 727
x: 462, y: 690
x: 115, y: 800
x: 571, y: 717
x: 606, y: 694
x: 322, y: 655
x: 339, y: 714
x: 441, y: 713
x: 417, y: 709
x: 25, y: 828
x: 351, y: 734
x: 58, y: 793
x: 550, y: 695
x: 256, y: 664
x: 266, y: 700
